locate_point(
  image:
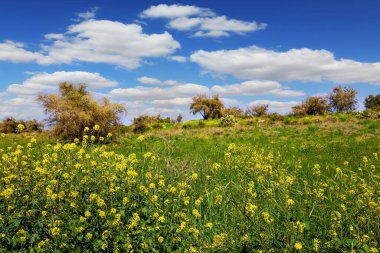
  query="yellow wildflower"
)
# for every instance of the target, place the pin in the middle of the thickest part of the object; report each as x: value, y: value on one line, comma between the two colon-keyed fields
x: 298, y: 246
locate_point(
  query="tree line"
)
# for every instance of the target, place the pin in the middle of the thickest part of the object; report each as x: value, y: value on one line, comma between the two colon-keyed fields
x: 340, y: 100
x: 73, y: 110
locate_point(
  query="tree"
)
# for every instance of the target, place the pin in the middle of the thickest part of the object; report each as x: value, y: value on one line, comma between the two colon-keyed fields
x: 73, y: 109
x: 258, y: 110
x: 208, y: 107
x: 10, y: 125
x: 179, y: 119
x: 311, y: 106
x: 372, y: 102
x: 233, y: 111
x: 342, y: 99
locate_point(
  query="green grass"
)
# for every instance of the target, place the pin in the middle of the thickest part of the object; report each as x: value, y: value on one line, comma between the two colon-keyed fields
x: 312, y: 182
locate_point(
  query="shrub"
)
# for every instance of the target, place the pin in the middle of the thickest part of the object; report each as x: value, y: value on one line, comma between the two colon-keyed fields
x: 342, y: 99
x: 208, y: 107
x: 369, y: 114
x: 179, y: 119
x: 140, y: 128
x: 9, y: 125
x: 187, y: 126
x: 311, y: 106
x: 234, y: 111
x: 147, y: 119
x: 275, y: 117
x: 372, y: 102
x: 257, y: 110
x: 201, y: 124
x: 73, y: 109
x: 227, y: 121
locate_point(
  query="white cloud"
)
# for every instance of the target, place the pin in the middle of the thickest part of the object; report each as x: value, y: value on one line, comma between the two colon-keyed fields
x: 172, y: 102
x: 152, y: 93
x: 172, y: 82
x: 178, y: 58
x: 184, y: 23
x: 204, y: 22
x: 276, y: 106
x: 304, y: 65
x: 45, y: 82
x: 21, y: 108
x: 230, y: 101
x: 95, y: 41
x: 174, y: 11
x: 89, y: 14
x: 104, y: 41
x: 54, y: 36
x: 15, y: 53
x: 253, y: 88
x: 149, y: 80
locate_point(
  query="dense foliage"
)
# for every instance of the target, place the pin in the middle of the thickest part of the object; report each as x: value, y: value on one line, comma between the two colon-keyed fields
x: 207, y: 107
x: 257, y: 110
x: 342, y: 99
x: 11, y: 125
x: 372, y: 102
x: 73, y: 109
x: 311, y: 106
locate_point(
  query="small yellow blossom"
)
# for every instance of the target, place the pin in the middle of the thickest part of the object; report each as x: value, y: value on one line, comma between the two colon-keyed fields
x: 298, y: 246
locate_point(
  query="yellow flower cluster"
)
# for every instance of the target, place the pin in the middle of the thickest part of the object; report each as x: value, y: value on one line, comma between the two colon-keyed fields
x: 78, y: 197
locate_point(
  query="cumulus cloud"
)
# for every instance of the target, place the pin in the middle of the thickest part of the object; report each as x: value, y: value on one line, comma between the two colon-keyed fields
x: 95, y: 41
x: 149, y: 80
x: 46, y: 82
x: 174, y: 11
x: 178, y: 58
x: 89, y: 14
x: 151, y: 93
x: 276, y: 106
x: 20, y: 108
x: 305, y: 65
x: 172, y: 82
x: 204, y: 22
x: 171, y: 102
x: 105, y: 41
x: 15, y: 52
x: 253, y: 88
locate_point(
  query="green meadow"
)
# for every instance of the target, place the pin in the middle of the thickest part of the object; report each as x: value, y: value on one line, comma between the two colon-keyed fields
x: 301, y: 185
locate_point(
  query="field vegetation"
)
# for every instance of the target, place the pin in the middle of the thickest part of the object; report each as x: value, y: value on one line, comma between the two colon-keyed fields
x: 246, y: 181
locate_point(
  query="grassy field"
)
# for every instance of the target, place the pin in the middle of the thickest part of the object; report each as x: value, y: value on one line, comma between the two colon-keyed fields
x: 255, y: 187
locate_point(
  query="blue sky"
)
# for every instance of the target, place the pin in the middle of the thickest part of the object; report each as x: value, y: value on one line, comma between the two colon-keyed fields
x: 153, y: 56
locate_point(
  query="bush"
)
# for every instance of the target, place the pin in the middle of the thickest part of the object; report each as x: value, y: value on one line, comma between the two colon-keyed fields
x: 73, y: 109
x: 140, y: 128
x: 257, y: 110
x: 208, y: 107
x: 179, y: 119
x: 187, y: 126
x: 369, y: 114
x: 311, y: 106
x: 275, y: 117
x: 342, y: 99
x: 9, y: 125
x: 147, y: 119
x: 227, y: 121
x: 201, y: 124
x: 234, y: 111
x: 372, y: 102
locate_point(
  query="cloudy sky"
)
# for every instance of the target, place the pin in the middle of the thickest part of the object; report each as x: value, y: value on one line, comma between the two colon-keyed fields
x: 153, y: 56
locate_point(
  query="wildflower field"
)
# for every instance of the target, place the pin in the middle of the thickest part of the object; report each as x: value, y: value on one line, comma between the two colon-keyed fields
x: 311, y: 188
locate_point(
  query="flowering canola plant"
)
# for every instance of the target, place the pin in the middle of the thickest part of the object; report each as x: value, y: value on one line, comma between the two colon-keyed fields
x: 86, y: 198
